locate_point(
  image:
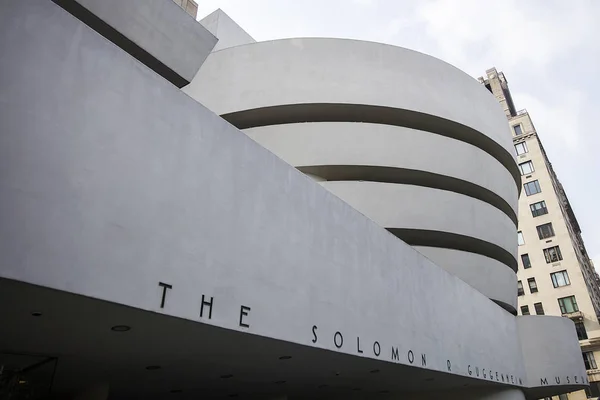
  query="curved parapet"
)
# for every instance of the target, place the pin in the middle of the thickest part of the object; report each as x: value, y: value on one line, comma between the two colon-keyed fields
x: 316, y: 79
x: 489, y: 276
x: 347, y: 151
x: 551, y: 355
x: 432, y: 217
x: 410, y: 141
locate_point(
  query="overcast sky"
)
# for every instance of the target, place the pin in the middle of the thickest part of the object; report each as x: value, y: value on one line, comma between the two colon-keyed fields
x: 549, y: 51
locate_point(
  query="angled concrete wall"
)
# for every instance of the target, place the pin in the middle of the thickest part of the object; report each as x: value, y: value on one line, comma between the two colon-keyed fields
x: 160, y: 28
x: 226, y: 30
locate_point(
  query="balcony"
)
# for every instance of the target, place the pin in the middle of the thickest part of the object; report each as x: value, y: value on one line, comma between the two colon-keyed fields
x: 593, y: 375
x: 590, y: 342
x: 575, y: 316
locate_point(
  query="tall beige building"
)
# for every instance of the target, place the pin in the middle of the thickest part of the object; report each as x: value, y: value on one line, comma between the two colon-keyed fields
x: 190, y: 6
x: 555, y: 275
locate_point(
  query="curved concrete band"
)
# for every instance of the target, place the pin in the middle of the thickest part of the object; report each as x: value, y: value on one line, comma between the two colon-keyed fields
x: 398, y: 152
x: 487, y: 275
x: 296, y: 73
x: 421, y: 208
x: 408, y: 140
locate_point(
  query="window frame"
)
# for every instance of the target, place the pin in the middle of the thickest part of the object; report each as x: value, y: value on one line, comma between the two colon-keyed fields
x: 563, y: 309
x: 520, y: 238
x: 528, y: 264
x: 524, y: 146
x: 535, y: 211
x: 525, y: 310
x: 529, y: 163
x: 581, y: 331
x: 520, y: 289
x: 532, y: 289
x: 537, y: 310
x: 544, y: 229
x: 520, y: 126
x: 565, y: 277
x: 535, y: 183
x: 589, y: 360
x: 558, y: 253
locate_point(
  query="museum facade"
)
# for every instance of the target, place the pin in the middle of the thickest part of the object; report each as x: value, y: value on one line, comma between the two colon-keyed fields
x: 187, y: 212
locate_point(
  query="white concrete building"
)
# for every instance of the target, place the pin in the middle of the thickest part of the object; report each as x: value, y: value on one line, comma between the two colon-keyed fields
x: 556, y: 275
x: 150, y: 248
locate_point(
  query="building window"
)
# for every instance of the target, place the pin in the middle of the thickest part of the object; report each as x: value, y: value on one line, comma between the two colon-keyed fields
x: 560, y: 278
x: 532, y: 285
x: 568, y: 305
x: 589, y: 360
x: 521, y: 148
x: 539, y: 309
x: 538, y: 208
x: 526, y: 261
x: 532, y: 187
x: 563, y: 397
x: 520, y: 238
x: 520, y: 291
x: 526, y: 167
x: 524, y: 310
x: 545, y: 231
x: 518, y: 130
x: 552, y: 254
x: 581, y: 332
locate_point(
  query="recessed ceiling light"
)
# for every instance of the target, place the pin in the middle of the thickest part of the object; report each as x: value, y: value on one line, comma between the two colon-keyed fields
x: 36, y: 314
x: 285, y: 357
x: 120, y: 328
x: 280, y: 382
x: 153, y: 367
x: 176, y: 391
x: 22, y: 382
x: 374, y: 371
x: 226, y: 376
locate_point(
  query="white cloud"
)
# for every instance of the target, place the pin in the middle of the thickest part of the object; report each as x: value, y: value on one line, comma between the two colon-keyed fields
x: 513, y: 32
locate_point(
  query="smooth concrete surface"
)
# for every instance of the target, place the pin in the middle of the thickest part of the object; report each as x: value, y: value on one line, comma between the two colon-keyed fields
x: 161, y: 28
x: 226, y: 30
x: 365, y: 144
x: 395, y: 133
x: 485, y: 274
x: 134, y: 179
x: 339, y: 71
x: 546, y: 352
x: 127, y: 183
x: 422, y: 208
